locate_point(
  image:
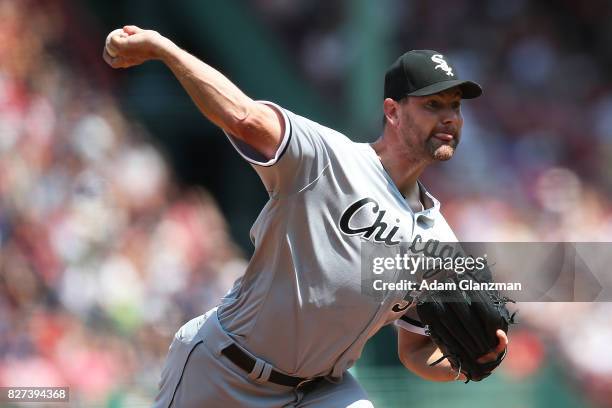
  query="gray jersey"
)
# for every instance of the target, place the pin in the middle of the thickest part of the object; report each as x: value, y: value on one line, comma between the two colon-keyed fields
x: 299, y: 304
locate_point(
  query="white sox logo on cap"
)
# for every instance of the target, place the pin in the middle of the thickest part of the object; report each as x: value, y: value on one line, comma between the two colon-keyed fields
x: 442, y: 64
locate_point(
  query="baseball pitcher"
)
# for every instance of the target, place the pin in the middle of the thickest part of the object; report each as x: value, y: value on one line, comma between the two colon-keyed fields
x: 291, y: 326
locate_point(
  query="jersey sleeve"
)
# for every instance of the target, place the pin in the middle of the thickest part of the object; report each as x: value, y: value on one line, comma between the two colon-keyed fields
x: 410, y: 321
x: 300, y: 159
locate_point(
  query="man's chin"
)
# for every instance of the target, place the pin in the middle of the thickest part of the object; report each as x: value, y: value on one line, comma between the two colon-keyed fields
x: 443, y: 153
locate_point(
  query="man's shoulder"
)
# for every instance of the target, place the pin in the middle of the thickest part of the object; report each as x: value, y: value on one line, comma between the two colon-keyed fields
x: 302, y: 122
x: 334, y: 145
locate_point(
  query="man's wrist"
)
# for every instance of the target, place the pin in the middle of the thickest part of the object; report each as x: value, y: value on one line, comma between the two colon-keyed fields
x: 164, y: 48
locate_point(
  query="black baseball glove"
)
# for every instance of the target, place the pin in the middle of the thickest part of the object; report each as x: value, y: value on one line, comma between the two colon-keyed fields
x: 463, y: 324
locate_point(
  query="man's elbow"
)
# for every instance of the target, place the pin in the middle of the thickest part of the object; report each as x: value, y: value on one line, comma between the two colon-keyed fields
x: 242, y: 121
x: 260, y: 128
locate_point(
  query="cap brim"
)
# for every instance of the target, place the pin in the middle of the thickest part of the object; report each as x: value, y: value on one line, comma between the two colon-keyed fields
x: 469, y: 89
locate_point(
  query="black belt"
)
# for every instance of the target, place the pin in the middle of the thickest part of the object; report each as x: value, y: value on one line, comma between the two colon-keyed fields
x: 247, y: 363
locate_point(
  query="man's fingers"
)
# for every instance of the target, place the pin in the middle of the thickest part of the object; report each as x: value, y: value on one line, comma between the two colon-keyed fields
x: 111, y: 50
x: 126, y: 47
x: 132, y: 29
x: 117, y: 41
x: 117, y: 62
x: 502, y: 343
x: 114, y: 62
x: 107, y: 58
x: 121, y: 62
x: 114, y: 33
x: 109, y: 47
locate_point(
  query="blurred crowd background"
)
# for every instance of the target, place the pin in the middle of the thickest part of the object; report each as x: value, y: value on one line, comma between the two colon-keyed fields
x: 124, y: 214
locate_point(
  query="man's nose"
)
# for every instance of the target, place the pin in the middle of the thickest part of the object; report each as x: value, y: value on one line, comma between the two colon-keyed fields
x: 451, y: 117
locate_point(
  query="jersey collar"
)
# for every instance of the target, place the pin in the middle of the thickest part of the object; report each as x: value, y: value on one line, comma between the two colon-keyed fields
x: 428, y: 216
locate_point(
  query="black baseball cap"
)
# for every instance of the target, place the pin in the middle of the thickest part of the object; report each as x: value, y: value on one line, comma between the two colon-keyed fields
x: 425, y: 72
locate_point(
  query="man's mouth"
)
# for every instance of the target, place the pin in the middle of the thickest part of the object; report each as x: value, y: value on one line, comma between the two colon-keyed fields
x: 445, y: 137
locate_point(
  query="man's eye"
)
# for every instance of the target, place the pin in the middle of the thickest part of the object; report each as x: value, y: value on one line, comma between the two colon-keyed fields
x: 433, y: 104
x: 456, y: 106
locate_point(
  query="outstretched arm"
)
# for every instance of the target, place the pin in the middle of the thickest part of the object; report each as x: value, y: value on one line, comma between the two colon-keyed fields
x: 216, y: 97
x: 417, y: 352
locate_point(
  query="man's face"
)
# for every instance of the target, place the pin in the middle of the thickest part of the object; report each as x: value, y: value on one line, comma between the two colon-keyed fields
x: 432, y: 124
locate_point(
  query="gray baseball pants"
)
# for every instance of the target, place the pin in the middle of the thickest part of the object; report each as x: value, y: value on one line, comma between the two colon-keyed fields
x: 197, y: 375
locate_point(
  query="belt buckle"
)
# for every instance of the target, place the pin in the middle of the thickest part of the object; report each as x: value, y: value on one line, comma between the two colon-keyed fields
x: 304, y: 382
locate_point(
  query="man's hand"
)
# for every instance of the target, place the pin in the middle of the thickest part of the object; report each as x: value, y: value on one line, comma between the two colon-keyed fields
x: 501, y: 346
x: 417, y: 352
x: 493, y: 355
x: 132, y: 46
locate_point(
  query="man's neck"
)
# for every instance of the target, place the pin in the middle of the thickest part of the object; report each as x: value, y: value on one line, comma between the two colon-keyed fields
x: 401, y: 165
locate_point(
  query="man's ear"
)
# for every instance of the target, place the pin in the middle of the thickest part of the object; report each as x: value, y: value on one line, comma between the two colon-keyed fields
x: 391, y: 110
